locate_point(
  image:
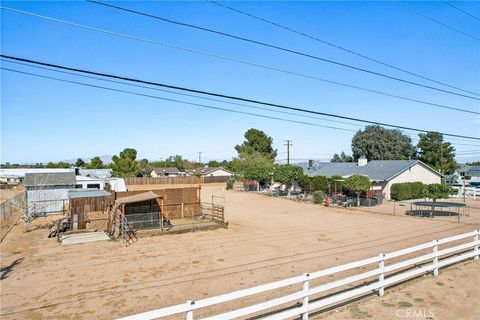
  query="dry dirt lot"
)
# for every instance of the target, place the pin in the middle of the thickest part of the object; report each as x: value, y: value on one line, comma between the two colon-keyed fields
x: 267, y: 239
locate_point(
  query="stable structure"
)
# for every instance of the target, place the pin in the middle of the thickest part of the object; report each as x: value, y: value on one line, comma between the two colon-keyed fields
x: 89, y: 208
x: 382, y: 173
x: 47, y: 193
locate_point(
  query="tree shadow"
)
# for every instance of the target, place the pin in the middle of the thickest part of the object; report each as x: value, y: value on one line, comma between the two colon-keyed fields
x: 5, y: 271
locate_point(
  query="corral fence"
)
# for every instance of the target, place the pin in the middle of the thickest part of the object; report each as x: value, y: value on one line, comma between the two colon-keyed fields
x: 182, y: 217
x: 307, y: 296
x: 11, y: 206
x: 468, y: 192
x: 175, y: 180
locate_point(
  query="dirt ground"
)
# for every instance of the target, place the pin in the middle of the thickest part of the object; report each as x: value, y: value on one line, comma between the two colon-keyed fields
x: 268, y: 239
x: 448, y: 296
x: 6, y: 194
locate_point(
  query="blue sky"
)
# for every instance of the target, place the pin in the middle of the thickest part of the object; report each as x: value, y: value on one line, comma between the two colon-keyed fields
x: 44, y: 120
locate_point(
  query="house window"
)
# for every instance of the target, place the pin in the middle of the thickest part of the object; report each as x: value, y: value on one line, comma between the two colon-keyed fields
x: 93, y: 186
x: 78, y: 186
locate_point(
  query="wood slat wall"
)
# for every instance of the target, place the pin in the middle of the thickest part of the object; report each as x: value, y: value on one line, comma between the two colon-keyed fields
x: 174, y: 180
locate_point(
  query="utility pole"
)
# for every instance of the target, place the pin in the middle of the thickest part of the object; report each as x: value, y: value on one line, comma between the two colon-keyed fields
x: 288, y: 143
x: 441, y: 157
x: 200, y: 157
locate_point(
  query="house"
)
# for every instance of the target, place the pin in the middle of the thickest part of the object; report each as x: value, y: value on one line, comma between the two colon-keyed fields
x: 382, y: 173
x: 47, y: 193
x: 471, y: 172
x: 166, y: 172
x: 210, y: 172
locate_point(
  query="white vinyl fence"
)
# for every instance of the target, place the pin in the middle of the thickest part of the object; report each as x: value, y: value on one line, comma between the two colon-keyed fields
x: 470, y: 193
x: 385, y: 275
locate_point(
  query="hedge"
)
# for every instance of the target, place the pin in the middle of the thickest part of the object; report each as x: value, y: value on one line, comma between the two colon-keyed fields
x: 407, y: 190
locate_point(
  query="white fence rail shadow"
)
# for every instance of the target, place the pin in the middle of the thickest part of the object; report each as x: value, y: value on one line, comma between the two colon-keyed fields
x: 401, y: 268
x: 470, y: 193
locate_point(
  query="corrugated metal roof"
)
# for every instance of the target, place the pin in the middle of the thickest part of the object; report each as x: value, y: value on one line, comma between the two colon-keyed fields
x: 88, y: 194
x: 378, y: 170
x: 53, y: 178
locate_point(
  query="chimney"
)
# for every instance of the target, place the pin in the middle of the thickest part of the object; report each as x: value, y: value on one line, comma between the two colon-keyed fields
x: 362, y: 161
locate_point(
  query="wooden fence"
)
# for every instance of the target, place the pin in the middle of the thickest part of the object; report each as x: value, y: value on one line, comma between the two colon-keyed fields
x: 174, y: 180
x: 306, y: 299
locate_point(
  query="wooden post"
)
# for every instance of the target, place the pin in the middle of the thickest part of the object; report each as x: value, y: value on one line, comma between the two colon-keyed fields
x: 475, y: 248
x: 305, y: 299
x: 435, y: 258
x: 183, y: 212
x: 381, y: 276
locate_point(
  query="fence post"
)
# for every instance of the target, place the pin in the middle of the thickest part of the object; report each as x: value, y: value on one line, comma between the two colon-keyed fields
x: 381, y: 276
x: 189, y: 315
x: 305, y: 299
x: 435, y: 258
x: 182, y: 211
x: 475, y: 248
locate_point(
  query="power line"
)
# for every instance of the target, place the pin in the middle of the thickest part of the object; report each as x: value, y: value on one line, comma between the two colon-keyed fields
x: 434, y: 20
x: 231, y: 97
x: 186, y: 94
x: 461, y: 10
x: 285, y: 71
x: 335, y: 46
x: 177, y: 101
x: 213, y: 99
x: 281, y: 49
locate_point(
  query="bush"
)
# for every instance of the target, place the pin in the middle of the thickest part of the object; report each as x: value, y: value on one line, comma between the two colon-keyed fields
x: 334, y: 180
x: 407, y: 191
x: 230, y: 184
x: 318, y: 197
x: 436, y: 191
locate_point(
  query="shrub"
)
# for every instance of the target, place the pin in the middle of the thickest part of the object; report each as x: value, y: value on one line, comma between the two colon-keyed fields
x: 318, y: 197
x: 230, y: 184
x: 334, y: 180
x: 407, y: 191
x: 438, y: 191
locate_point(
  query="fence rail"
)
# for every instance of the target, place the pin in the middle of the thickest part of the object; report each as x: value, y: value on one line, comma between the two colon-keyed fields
x: 174, y: 180
x: 12, y: 205
x: 468, y: 192
x: 384, y: 276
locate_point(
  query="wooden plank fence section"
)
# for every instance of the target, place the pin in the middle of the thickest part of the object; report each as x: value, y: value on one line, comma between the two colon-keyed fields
x: 174, y: 180
x: 385, y: 275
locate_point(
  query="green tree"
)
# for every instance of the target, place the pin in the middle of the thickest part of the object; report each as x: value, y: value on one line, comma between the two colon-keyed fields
x: 95, y: 163
x: 125, y: 165
x: 357, y: 183
x: 286, y: 174
x: 145, y: 167
x: 61, y: 164
x: 436, y: 191
x: 80, y: 163
x: 214, y: 164
x: 257, y: 168
x: 378, y: 143
x: 341, y: 158
x: 319, y: 183
x: 256, y: 141
x: 305, y: 183
x: 437, y: 153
